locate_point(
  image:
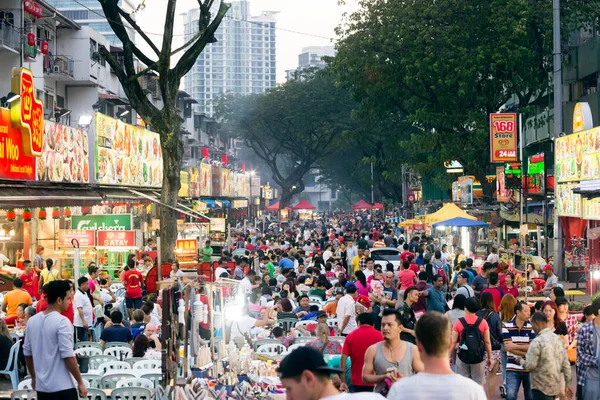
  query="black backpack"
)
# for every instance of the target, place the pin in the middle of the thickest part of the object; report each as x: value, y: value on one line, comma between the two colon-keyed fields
x: 472, y: 339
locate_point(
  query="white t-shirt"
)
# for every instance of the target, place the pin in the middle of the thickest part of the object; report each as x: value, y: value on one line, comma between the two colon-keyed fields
x: 3, y: 259
x: 242, y: 327
x: 245, y: 286
x: 346, y: 307
x: 355, y: 396
x: 105, y: 296
x: 219, y: 271
x: 423, y: 386
x: 493, y: 258
x: 81, y: 300
x: 368, y: 273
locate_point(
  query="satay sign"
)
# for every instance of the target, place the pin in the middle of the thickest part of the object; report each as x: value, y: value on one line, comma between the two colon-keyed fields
x: 116, y: 238
x: 27, y: 112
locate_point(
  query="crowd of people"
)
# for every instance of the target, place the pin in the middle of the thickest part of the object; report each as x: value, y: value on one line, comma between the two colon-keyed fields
x: 322, y: 271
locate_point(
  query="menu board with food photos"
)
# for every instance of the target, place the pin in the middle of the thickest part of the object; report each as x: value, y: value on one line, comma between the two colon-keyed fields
x: 64, y: 156
x: 216, y: 181
x: 194, y: 183
x: 591, y: 208
x: 126, y: 154
x: 568, y: 204
x: 577, y: 156
x: 205, y: 179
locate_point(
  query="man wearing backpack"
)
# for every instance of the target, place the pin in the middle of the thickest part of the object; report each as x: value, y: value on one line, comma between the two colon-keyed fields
x: 471, y: 339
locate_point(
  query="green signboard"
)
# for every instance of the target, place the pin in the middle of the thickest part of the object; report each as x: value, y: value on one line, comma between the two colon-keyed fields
x: 116, y: 222
x: 512, y: 175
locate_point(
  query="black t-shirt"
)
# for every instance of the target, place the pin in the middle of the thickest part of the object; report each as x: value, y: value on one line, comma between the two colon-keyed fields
x: 5, y: 345
x: 408, y: 321
x: 116, y: 333
x: 561, y: 329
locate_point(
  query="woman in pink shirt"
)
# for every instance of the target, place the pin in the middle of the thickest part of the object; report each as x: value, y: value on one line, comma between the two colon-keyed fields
x: 407, y: 277
x: 509, y: 285
x: 361, y: 284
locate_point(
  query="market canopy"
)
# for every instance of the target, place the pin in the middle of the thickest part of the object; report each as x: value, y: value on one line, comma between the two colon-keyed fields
x: 274, y: 206
x: 377, y: 206
x: 304, y: 205
x: 410, y: 222
x: 362, y: 205
x: 448, y: 211
x: 461, y: 222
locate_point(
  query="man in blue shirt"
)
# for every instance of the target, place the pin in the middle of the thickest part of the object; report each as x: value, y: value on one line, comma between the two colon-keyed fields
x: 285, y: 262
x: 116, y: 332
x: 436, y: 300
x: 463, y: 267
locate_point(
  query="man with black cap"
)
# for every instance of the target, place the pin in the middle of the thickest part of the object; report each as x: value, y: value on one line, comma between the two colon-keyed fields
x: 463, y: 285
x: 305, y: 375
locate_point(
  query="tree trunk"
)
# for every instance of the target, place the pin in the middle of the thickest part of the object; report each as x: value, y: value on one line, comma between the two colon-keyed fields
x: 487, y: 187
x: 287, y: 193
x: 172, y: 158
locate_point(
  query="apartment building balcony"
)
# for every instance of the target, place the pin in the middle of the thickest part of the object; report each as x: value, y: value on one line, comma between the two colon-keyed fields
x: 59, y: 67
x: 10, y: 39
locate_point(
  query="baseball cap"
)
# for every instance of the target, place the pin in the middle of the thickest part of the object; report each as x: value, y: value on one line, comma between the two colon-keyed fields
x: 338, y: 291
x: 464, y: 274
x: 547, y: 267
x: 348, y: 284
x: 302, y: 359
x: 321, y: 314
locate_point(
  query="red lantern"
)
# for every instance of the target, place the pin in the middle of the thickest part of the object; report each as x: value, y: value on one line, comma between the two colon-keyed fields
x: 44, y: 47
x: 205, y: 152
x: 55, y: 213
x: 27, y: 215
x: 30, y: 39
x: 42, y: 214
x: 243, y: 167
x: 85, y: 210
x: 11, y: 215
x: 224, y: 159
x: 67, y: 212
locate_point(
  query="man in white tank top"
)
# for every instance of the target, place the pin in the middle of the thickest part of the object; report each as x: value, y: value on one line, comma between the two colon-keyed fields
x: 393, y: 359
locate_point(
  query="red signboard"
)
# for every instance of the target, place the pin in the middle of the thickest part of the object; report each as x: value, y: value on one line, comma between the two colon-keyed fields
x: 27, y: 112
x: 14, y: 163
x: 116, y: 238
x: 186, y: 247
x: 86, y: 238
x: 503, y: 138
x: 33, y: 8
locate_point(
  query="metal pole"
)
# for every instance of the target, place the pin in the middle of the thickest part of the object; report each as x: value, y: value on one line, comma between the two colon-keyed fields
x: 522, y: 192
x: 158, y: 259
x: 524, y: 166
x: 558, y: 126
x: 372, y: 191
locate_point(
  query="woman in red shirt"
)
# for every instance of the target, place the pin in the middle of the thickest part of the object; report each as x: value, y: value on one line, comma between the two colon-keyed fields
x: 509, y: 285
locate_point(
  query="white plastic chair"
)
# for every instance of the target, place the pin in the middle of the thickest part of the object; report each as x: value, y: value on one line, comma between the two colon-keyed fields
x: 25, y: 385
x: 96, y: 361
x: 156, y: 379
x: 135, y: 382
x: 131, y: 393
x: 88, y: 351
x: 303, y: 339
x: 12, y: 366
x: 259, y: 343
x: 332, y: 322
x: 24, y: 395
x: 108, y: 345
x: 131, y: 361
x: 121, y: 353
x: 315, y: 299
x: 113, y: 365
x: 148, y: 364
x: 111, y: 381
x: 92, y: 379
x: 272, y: 348
x: 296, y: 346
x: 82, y: 345
x: 116, y: 286
x: 305, y: 323
x: 316, y: 303
x: 96, y: 394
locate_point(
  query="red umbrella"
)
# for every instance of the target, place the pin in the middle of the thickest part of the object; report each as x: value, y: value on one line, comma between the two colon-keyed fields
x: 274, y: 206
x: 377, y: 206
x: 362, y: 205
x: 304, y: 205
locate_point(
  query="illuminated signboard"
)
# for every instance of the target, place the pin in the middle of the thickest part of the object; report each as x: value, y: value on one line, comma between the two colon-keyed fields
x: 503, y: 137
x: 512, y: 176
x: 536, y: 177
x: 27, y: 112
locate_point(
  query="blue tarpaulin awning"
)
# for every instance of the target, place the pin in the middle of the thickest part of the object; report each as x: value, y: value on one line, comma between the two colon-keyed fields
x: 460, y: 222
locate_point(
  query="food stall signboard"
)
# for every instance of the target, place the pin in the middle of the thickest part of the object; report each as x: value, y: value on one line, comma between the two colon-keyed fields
x: 27, y: 112
x: 110, y: 222
x: 108, y: 239
x: 536, y: 174
x: 567, y: 203
x: 186, y: 247
x: 503, y: 137
x: 65, y: 156
x: 126, y: 154
x: 14, y: 163
x: 576, y: 156
x: 217, y: 224
x: 512, y: 176
x: 86, y: 238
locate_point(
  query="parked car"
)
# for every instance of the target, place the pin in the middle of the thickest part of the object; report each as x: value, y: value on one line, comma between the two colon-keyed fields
x: 384, y: 255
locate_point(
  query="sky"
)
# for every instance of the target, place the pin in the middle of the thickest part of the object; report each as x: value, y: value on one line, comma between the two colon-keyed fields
x: 300, y: 23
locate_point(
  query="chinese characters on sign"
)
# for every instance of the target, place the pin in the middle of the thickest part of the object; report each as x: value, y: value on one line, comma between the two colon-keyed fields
x: 86, y: 238
x: 27, y: 112
x: 116, y: 238
x: 187, y: 247
x: 503, y: 137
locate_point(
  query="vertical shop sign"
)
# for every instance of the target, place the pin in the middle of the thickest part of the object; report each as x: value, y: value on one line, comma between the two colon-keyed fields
x: 503, y: 138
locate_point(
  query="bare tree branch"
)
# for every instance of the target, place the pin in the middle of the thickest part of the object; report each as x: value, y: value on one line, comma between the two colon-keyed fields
x: 138, y: 30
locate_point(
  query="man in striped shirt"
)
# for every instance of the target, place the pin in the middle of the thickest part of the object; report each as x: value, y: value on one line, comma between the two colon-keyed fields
x: 517, y: 335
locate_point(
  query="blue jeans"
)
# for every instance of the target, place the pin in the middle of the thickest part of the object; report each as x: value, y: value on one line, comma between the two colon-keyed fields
x: 591, y: 390
x: 513, y: 382
x: 503, y: 361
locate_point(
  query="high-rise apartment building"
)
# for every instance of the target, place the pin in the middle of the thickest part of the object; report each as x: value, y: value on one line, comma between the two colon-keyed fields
x: 311, y: 57
x: 242, y: 61
x: 89, y: 13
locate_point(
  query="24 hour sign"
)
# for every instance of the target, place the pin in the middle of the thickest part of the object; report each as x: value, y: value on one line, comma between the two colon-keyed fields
x: 503, y: 138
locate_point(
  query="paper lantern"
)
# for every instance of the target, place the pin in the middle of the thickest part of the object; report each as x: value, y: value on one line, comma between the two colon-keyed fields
x: 42, y: 214
x: 205, y: 152
x: 11, y: 215
x: 56, y: 213
x: 243, y: 167
x: 67, y: 212
x: 30, y: 39
x: 224, y: 159
x: 44, y: 47
x: 27, y: 215
x: 85, y: 210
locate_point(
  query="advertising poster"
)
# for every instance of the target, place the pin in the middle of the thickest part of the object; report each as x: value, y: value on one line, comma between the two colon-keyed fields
x: 86, y: 238
x: 255, y: 186
x: 536, y: 176
x: 112, y: 222
x: 501, y: 191
x: 205, y: 179
x: 466, y: 191
x: 568, y: 204
x: 217, y: 181
x: 503, y: 138
x: 591, y: 208
x: 455, y: 192
x: 194, y: 183
x: 217, y: 225
x: 227, y: 182
x: 184, y: 179
x: 577, y: 156
x: 126, y: 154
x: 65, y: 155
x: 14, y: 164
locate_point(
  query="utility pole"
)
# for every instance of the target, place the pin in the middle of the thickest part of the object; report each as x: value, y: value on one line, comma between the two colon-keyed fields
x: 558, y: 127
x: 372, y: 185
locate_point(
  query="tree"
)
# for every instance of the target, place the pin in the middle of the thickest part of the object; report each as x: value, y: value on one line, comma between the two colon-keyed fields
x: 291, y: 127
x: 444, y: 65
x: 166, y: 120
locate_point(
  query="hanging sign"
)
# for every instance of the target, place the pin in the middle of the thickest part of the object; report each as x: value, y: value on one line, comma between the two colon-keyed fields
x: 536, y: 180
x: 114, y: 222
x: 186, y: 247
x: 86, y: 238
x: 116, y: 238
x: 512, y: 176
x: 503, y: 137
x: 27, y: 112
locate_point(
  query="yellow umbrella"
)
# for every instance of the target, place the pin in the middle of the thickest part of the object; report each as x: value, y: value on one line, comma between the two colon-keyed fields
x: 448, y: 211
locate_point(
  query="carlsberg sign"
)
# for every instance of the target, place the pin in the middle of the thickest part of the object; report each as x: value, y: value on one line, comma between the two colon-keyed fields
x: 116, y: 222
